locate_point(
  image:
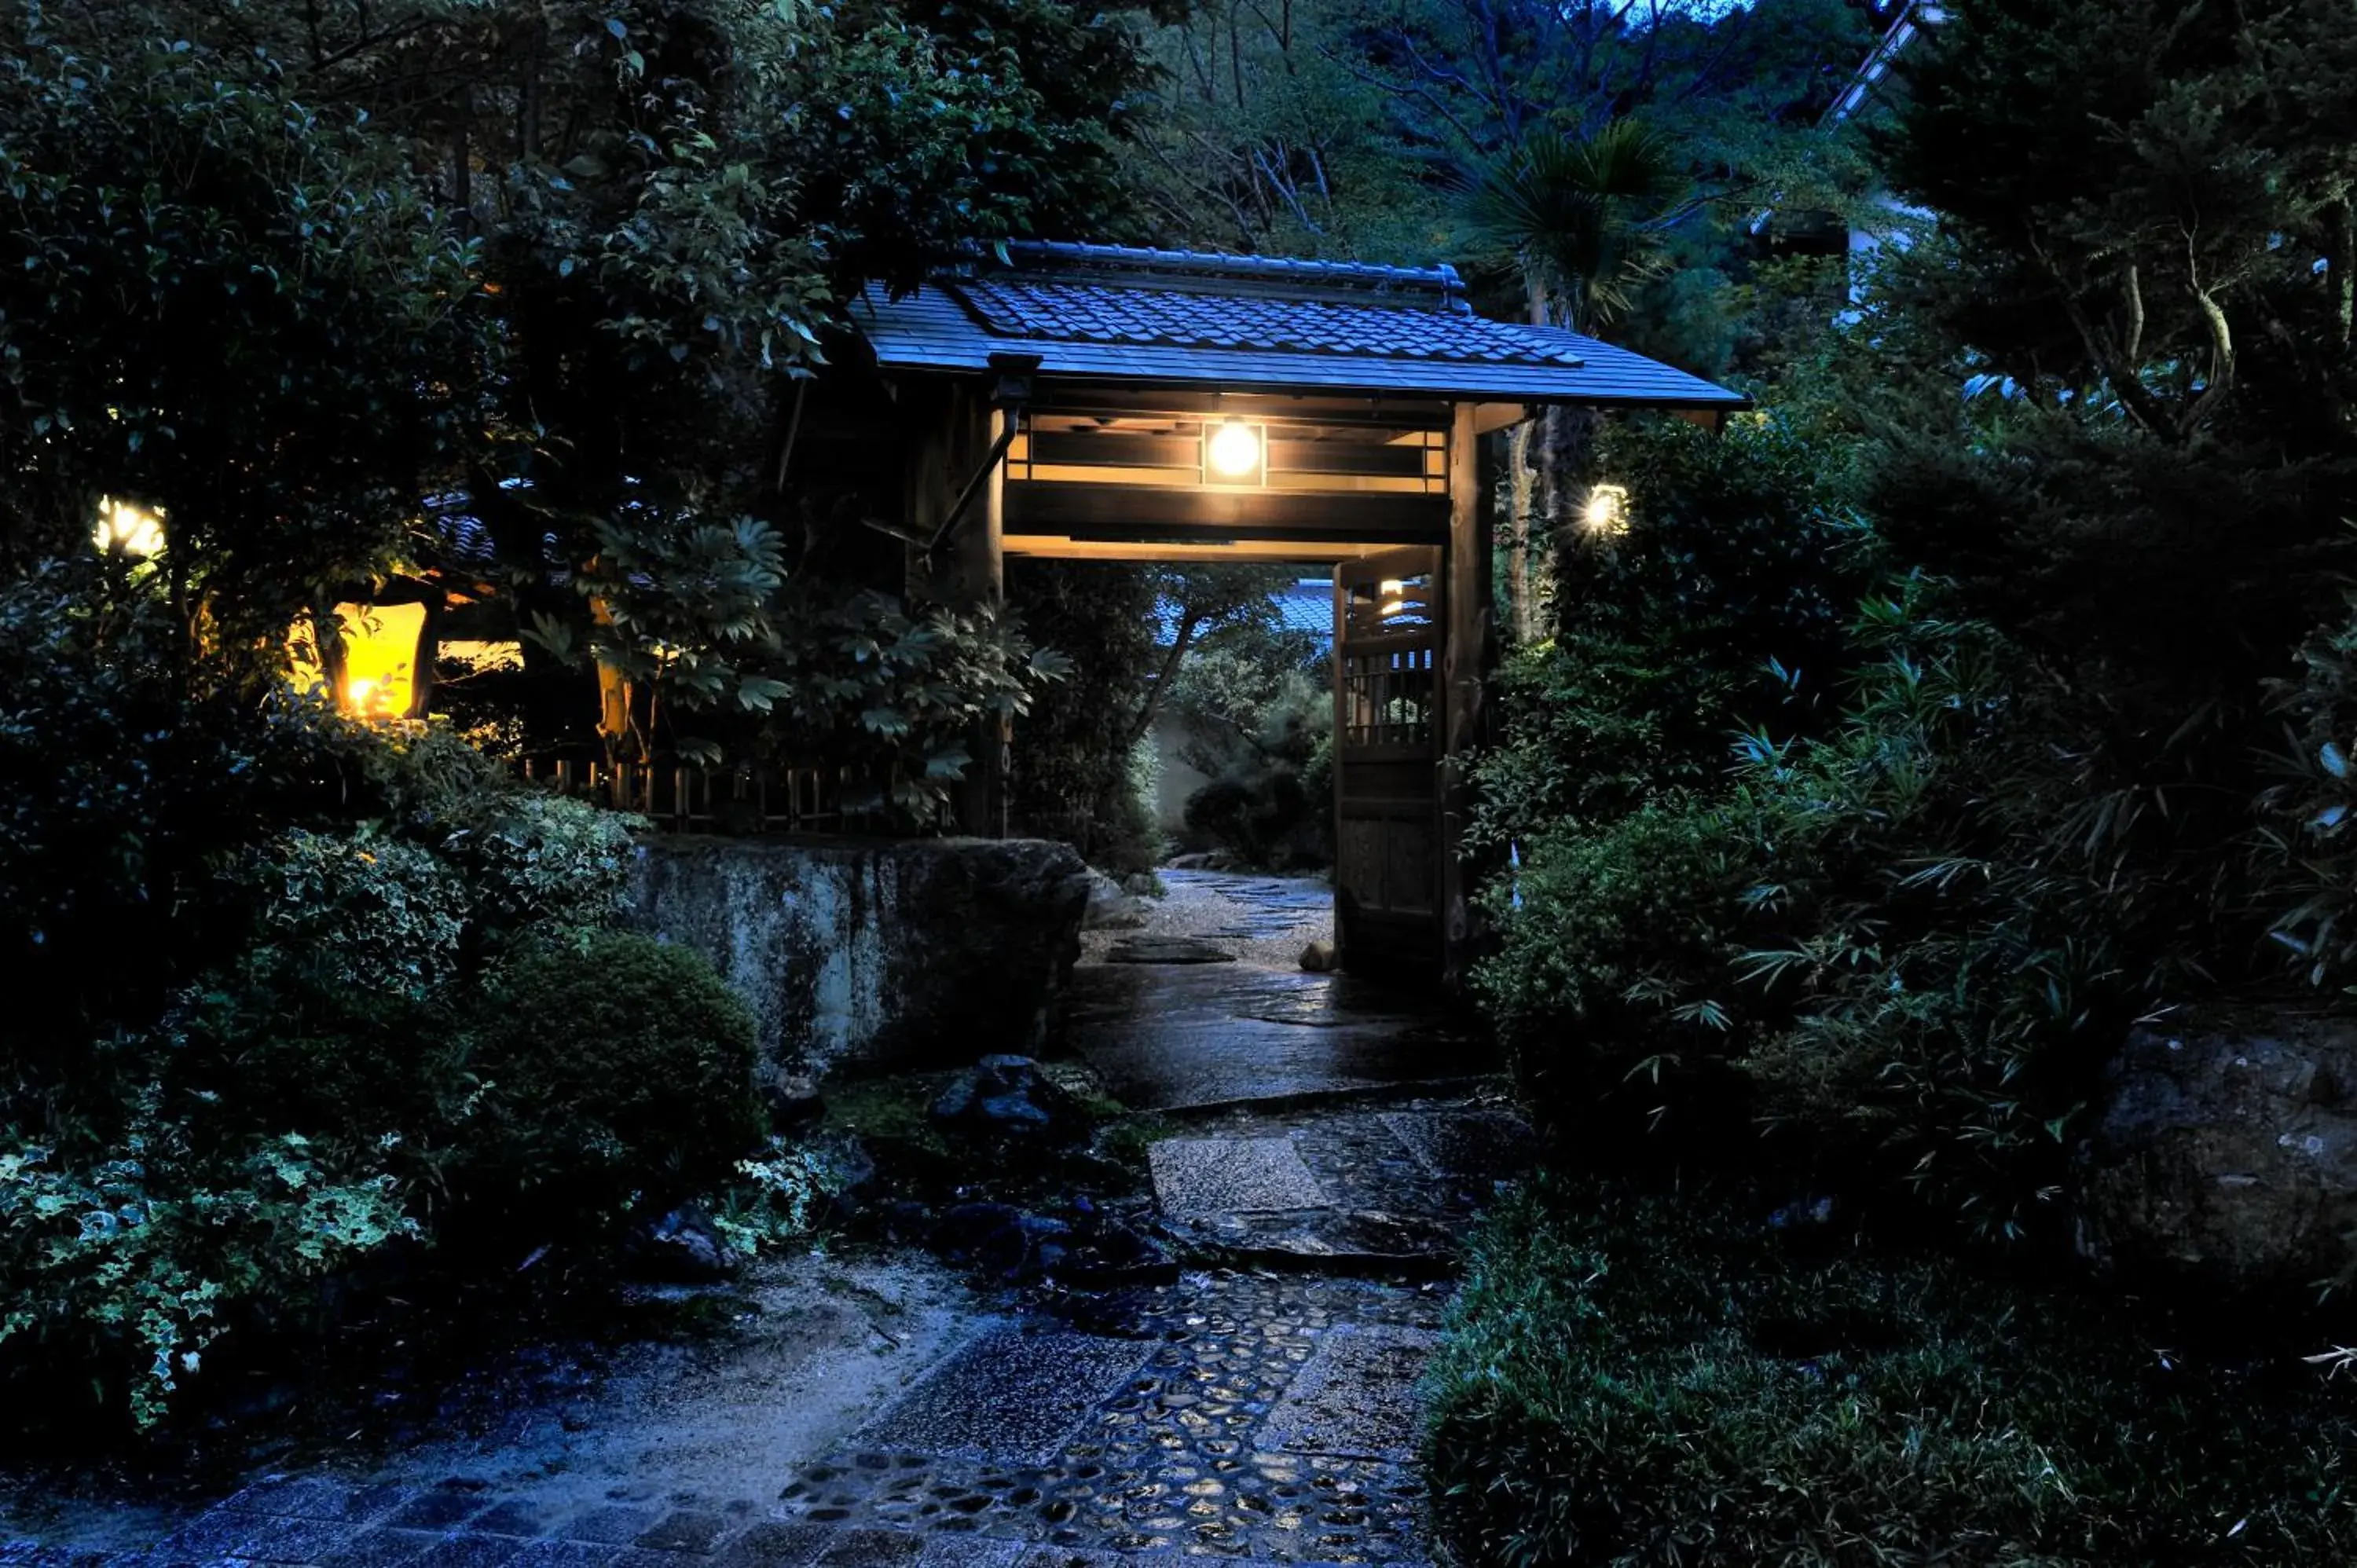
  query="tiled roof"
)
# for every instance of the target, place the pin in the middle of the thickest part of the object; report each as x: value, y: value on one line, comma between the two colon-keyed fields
x: 1307, y: 607
x: 1246, y: 322
x: 1098, y: 294
x: 1304, y: 607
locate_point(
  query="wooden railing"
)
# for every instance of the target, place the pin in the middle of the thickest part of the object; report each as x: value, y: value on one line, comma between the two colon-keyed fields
x: 743, y: 798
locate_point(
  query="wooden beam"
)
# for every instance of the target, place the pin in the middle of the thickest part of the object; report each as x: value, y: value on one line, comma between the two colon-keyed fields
x: 1144, y: 513
x: 1337, y: 405
x: 954, y: 442
x: 1464, y: 662
x: 1275, y: 552
x: 1489, y: 416
x: 1341, y: 728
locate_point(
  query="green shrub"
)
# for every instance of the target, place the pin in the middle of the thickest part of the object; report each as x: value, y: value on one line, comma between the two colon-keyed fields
x: 1872, y: 942
x: 615, y: 1076
x: 1727, y: 604
x: 1636, y: 1380
x: 249, y: 940
x: 120, y: 1272
x: 127, y: 781
x: 1612, y: 938
x: 1257, y: 705
x: 2306, y: 832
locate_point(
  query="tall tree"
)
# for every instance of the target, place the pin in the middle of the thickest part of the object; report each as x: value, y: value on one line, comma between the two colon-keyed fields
x: 550, y: 264
x: 1350, y: 129
x: 2112, y: 385
x: 1582, y: 219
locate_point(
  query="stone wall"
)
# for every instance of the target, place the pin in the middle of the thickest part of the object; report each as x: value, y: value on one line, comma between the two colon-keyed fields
x: 2225, y: 1152
x: 874, y: 954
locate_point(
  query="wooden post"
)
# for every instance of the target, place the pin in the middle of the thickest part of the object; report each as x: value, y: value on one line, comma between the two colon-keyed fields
x: 1465, y: 651
x: 1342, y: 735
x: 968, y: 571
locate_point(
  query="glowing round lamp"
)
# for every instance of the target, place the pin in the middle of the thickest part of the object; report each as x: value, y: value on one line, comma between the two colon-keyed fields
x: 127, y: 529
x: 1234, y: 451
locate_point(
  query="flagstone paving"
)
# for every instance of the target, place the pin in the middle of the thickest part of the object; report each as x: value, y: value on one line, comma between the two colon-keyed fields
x: 1260, y: 1414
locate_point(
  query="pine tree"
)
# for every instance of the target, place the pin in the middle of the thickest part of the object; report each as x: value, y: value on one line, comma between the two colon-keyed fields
x: 2110, y: 387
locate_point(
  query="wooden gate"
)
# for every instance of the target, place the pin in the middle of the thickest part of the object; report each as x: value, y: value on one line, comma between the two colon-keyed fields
x: 1388, y: 615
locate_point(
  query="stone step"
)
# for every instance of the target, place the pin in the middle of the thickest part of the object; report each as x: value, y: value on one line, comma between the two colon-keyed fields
x: 1349, y: 1245
x: 1378, y: 1193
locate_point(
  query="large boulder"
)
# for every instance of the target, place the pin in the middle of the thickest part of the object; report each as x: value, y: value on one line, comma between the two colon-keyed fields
x: 2226, y: 1152
x: 1113, y: 905
x: 884, y: 954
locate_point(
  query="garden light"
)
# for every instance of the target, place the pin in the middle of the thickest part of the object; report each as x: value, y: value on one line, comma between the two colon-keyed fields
x: 127, y: 529
x: 383, y: 648
x: 1234, y: 451
x: 1606, y: 514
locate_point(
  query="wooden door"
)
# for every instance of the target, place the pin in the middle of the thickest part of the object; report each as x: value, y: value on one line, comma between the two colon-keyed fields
x: 1388, y: 615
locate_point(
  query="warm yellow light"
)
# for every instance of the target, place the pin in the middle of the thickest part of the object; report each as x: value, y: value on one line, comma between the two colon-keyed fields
x: 1391, y: 588
x: 1234, y: 452
x: 381, y: 646
x: 1607, y: 512
x: 481, y: 657
x: 126, y: 528
x: 381, y: 657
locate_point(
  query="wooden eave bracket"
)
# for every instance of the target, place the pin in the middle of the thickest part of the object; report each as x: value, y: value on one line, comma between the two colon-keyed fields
x: 1013, y: 390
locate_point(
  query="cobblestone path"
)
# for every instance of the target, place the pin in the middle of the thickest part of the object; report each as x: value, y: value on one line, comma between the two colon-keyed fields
x: 1328, y: 1148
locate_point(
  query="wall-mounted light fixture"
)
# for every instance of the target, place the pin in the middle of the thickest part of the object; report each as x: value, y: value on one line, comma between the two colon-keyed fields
x: 127, y: 529
x: 1235, y: 453
x: 1606, y: 515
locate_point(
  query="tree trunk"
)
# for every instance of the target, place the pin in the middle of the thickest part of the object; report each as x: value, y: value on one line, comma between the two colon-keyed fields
x: 1521, y: 463
x: 618, y: 728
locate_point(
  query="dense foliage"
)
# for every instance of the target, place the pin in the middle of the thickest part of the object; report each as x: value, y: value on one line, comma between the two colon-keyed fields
x: 226, y: 301
x: 2037, y: 786
x: 1127, y: 638
x: 1725, y: 606
x: 511, y: 294
x: 1254, y: 701
x: 1638, y: 1379
x: 1867, y: 940
x: 507, y: 298
x: 269, y: 964
x: 2144, y: 287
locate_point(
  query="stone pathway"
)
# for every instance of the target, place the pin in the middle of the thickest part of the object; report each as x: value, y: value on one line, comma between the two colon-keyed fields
x: 1331, y: 1144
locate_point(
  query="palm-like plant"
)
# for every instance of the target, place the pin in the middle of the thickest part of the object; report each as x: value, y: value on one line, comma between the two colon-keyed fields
x: 1582, y: 217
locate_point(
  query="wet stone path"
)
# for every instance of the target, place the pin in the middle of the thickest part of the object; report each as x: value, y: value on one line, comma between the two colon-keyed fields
x: 1330, y: 1146
x: 1242, y: 1425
